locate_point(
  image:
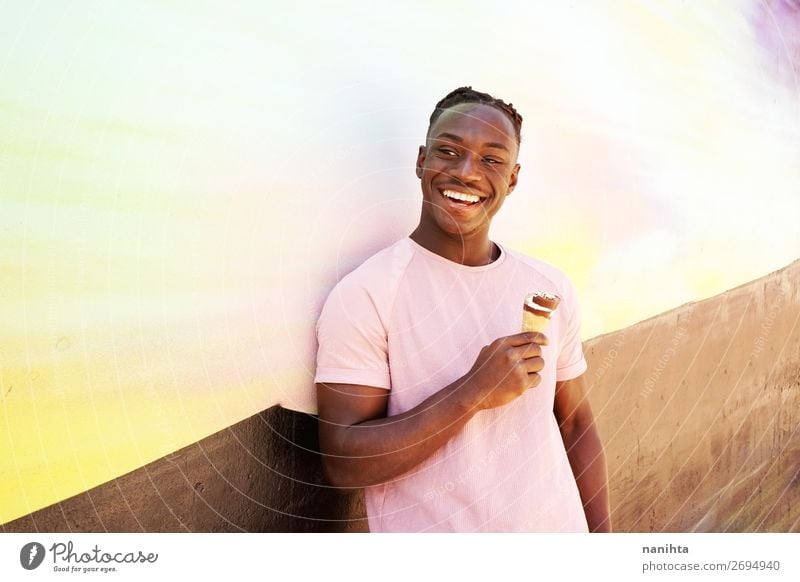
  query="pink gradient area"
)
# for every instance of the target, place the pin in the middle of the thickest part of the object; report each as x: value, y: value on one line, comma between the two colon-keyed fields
x: 776, y: 24
x: 615, y: 176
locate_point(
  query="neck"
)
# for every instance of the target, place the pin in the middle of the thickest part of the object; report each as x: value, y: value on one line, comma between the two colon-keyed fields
x: 473, y: 252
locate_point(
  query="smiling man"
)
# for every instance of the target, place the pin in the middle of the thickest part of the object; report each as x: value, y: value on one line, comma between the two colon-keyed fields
x: 429, y: 396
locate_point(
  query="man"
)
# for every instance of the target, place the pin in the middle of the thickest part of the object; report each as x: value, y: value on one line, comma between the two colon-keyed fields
x: 429, y: 397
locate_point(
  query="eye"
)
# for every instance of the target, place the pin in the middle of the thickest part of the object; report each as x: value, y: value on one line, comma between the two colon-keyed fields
x: 448, y: 152
x: 492, y: 161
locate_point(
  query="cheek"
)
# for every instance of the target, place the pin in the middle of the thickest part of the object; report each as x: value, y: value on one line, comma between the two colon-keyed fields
x: 497, y: 204
x: 502, y: 183
x: 433, y: 169
x: 431, y: 173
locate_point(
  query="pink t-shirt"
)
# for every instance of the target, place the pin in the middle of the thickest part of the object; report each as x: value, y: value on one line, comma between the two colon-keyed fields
x: 413, y: 322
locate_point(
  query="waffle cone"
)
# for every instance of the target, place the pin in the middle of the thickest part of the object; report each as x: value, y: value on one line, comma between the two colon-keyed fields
x: 532, y: 321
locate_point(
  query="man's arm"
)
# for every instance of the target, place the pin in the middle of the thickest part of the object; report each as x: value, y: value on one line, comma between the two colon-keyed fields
x: 584, y: 450
x: 361, y: 446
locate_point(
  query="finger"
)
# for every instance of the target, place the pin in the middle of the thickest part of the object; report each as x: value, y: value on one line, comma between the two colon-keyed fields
x: 528, y: 351
x: 534, y: 380
x: 533, y: 365
x: 527, y: 337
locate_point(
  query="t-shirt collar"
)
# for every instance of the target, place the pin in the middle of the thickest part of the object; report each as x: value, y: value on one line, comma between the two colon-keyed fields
x: 457, y: 266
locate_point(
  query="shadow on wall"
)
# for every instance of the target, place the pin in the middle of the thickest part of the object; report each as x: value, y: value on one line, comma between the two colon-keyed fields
x: 260, y: 475
x: 698, y: 408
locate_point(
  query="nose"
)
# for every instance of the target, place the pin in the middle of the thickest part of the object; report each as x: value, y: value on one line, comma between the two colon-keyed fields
x: 468, y: 170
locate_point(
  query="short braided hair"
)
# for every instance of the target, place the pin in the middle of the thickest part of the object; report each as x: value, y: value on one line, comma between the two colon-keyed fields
x: 469, y: 95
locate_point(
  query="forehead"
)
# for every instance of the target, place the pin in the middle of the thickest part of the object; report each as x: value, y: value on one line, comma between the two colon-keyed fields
x: 475, y: 122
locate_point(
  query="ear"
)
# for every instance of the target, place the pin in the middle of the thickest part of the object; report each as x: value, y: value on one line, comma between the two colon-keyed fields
x: 512, y: 181
x: 420, y: 161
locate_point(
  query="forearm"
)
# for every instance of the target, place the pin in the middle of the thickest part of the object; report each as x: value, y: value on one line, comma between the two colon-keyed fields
x: 379, y: 450
x: 588, y: 462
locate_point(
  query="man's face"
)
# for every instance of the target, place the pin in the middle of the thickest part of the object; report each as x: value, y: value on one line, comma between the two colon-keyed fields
x: 471, y: 150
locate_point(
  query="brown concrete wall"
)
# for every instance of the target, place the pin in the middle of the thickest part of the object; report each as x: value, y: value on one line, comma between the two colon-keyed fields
x: 698, y: 409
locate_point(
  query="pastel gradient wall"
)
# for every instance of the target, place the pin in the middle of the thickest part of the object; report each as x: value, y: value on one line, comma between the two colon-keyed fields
x: 181, y: 185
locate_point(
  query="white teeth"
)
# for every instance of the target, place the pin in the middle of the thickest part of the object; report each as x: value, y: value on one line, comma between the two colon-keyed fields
x: 460, y: 196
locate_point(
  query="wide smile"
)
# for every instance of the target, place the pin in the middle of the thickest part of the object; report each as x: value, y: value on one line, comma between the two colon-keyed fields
x: 461, y: 200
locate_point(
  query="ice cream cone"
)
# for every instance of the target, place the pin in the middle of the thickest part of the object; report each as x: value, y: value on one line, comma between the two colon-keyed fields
x: 537, y: 309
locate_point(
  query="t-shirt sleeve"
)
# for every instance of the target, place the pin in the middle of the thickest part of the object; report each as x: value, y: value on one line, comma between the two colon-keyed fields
x: 352, y: 339
x: 571, y: 362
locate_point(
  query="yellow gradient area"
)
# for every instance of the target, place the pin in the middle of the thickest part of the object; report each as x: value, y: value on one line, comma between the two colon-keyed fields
x: 181, y: 185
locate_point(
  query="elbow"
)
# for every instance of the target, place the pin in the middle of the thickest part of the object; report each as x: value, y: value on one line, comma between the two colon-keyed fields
x: 579, y: 431
x: 336, y: 474
x: 580, y: 422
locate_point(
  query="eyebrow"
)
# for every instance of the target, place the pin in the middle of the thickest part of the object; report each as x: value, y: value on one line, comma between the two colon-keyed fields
x: 454, y: 137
